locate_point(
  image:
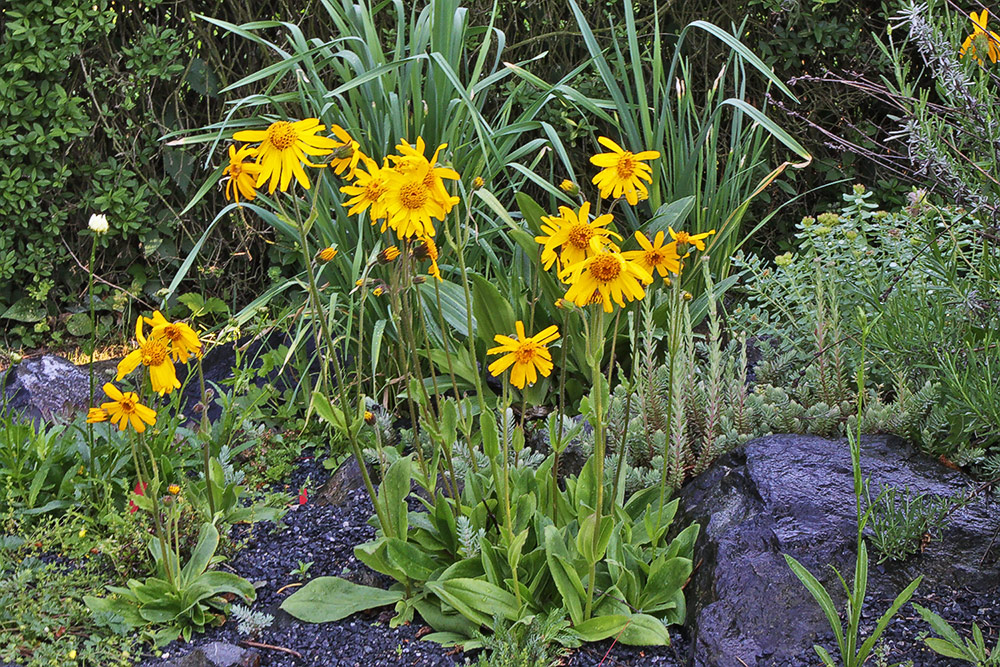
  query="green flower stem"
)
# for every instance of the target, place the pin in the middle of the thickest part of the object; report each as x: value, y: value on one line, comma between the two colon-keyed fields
x: 563, y: 347
x: 676, y: 321
x: 93, y: 350
x: 465, y: 420
x: 623, y: 443
x: 146, y: 484
x: 345, y: 405
x: 595, y: 349
x: 206, y: 435
x: 398, y: 313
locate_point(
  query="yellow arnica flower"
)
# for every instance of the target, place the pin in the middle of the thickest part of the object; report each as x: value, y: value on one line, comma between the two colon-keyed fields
x: 124, y: 409
x: 981, y: 42
x: 367, y: 190
x: 173, y: 489
x: 683, y: 239
x: 327, y: 254
x: 415, y: 192
x: 153, y: 354
x: 604, y: 278
x: 96, y: 416
x: 478, y: 182
x: 623, y: 172
x: 345, y: 153
x: 283, y: 150
x: 654, y: 256
x: 242, y: 174
x: 183, y: 342
x: 436, y: 176
x: 378, y: 291
x: 428, y: 250
x: 528, y: 355
x: 574, y: 236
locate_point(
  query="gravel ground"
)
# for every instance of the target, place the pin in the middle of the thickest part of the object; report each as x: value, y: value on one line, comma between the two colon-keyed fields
x: 903, y: 636
x: 327, y: 535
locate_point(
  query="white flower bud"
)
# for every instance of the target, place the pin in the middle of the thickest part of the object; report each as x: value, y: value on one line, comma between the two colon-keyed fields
x: 98, y: 224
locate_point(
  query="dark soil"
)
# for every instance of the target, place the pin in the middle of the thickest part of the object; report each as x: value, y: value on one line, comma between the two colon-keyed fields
x: 326, y: 536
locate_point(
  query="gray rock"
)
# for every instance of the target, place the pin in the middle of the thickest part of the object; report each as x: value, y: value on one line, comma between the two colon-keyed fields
x: 219, y: 654
x: 790, y: 494
x: 342, y: 483
x: 46, y: 386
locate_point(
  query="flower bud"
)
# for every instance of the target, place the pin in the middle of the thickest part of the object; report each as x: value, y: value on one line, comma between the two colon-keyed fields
x: 98, y: 224
x: 388, y: 255
x: 327, y: 254
x: 478, y: 182
x: 570, y: 188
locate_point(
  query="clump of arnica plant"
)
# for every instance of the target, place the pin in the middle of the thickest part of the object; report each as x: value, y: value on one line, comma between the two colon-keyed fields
x: 926, y: 278
x: 465, y: 304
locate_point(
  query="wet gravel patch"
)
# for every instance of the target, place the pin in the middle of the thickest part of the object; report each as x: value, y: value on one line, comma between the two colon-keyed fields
x: 326, y: 536
x: 903, y: 637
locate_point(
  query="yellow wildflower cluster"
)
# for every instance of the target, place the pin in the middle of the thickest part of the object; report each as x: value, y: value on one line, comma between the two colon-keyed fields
x: 584, y: 250
x: 167, y: 342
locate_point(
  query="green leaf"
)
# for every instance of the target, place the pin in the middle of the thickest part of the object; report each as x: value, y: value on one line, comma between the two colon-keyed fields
x: 821, y: 596
x: 392, y: 493
x: 491, y: 437
x: 25, y: 309
x: 634, y: 630
x: 201, y: 556
x: 566, y: 578
x: 477, y: 600
x: 494, y: 314
x: 410, y: 559
x: 326, y: 599
x: 79, y: 325
x: 672, y: 214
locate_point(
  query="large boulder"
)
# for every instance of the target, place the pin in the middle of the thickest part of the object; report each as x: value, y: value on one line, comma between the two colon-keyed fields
x: 42, y: 388
x: 792, y: 494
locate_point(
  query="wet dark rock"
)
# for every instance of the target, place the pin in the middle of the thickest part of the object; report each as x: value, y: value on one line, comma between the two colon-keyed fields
x: 46, y: 387
x: 790, y: 494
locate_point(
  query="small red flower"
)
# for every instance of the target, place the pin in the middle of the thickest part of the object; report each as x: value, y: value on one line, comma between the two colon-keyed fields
x: 303, y: 496
x: 139, y: 490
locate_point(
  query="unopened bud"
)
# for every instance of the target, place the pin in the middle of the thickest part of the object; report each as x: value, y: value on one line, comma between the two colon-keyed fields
x: 570, y: 188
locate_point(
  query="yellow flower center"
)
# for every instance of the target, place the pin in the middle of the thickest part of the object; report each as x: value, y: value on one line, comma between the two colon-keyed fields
x: 526, y: 352
x: 127, y: 403
x: 682, y: 237
x: 580, y: 235
x: 374, y: 190
x: 654, y: 257
x: 154, y: 353
x: 626, y: 165
x: 281, y: 135
x: 413, y: 195
x: 605, y: 268
x: 172, y: 332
